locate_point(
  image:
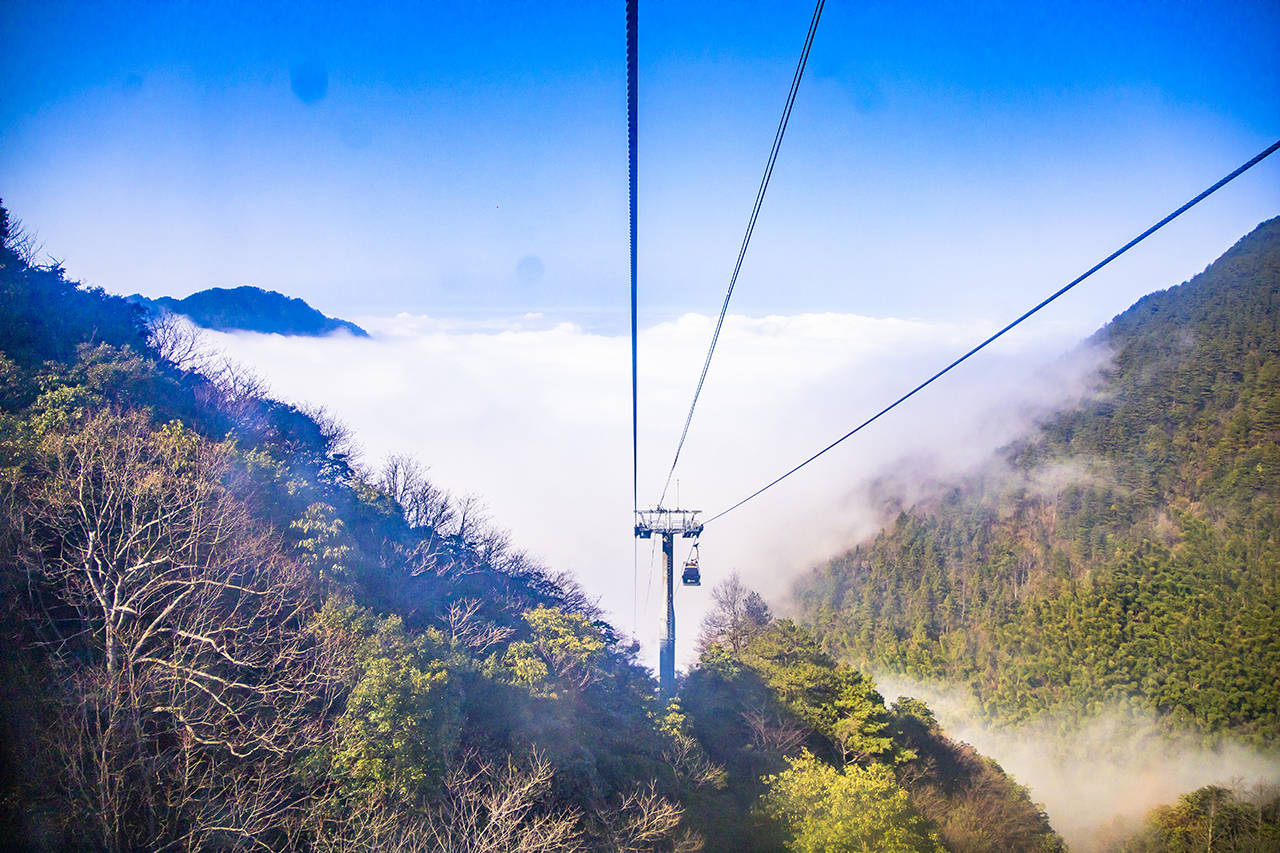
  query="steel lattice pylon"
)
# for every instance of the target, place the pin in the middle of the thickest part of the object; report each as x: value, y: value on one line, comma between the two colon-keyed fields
x: 668, y: 523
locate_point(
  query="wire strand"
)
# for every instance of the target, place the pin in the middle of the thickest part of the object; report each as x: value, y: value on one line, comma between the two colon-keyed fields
x: 751, y: 226
x: 1271, y: 149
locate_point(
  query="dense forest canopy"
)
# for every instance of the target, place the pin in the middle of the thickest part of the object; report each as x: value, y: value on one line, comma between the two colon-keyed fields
x: 1126, y: 554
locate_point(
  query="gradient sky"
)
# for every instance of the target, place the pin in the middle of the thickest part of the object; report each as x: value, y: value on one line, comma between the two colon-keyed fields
x: 947, y: 161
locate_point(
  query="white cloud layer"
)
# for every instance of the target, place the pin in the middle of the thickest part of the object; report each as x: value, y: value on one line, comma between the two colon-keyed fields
x: 534, y: 416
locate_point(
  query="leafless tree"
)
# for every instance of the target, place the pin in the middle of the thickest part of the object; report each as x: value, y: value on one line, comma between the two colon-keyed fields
x: 470, y: 518
x: 371, y: 828
x: 24, y: 244
x: 340, y: 441
x: 502, y: 809
x: 772, y: 734
x: 459, y: 537
x: 180, y: 629
x: 737, y: 614
x: 468, y: 629
x: 572, y: 597
x: 646, y: 822
x: 691, y: 764
x: 424, y: 504
x: 178, y: 341
x: 236, y: 391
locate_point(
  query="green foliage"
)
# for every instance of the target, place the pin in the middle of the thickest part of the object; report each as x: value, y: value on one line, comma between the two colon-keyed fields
x: 819, y: 809
x: 832, y: 699
x: 1210, y: 818
x: 401, y: 724
x: 866, y: 774
x: 564, y: 652
x: 968, y: 798
x: 446, y: 655
x: 44, y: 316
x: 323, y: 542
x: 1127, y: 551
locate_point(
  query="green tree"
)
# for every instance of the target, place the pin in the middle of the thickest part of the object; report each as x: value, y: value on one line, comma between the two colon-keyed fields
x: 564, y: 651
x: 819, y: 809
x: 833, y: 699
x: 400, y: 725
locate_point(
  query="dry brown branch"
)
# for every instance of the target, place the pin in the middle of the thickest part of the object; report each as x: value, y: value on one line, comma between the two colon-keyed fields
x: 691, y: 764
x: 24, y: 244
x: 644, y: 822
x: 236, y: 391
x: 774, y: 735
x: 178, y: 341
x: 191, y: 675
x: 492, y: 809
x: 370, y: 828
x: 424, y: 505
x: 470, y: 630
x: 737, y: 615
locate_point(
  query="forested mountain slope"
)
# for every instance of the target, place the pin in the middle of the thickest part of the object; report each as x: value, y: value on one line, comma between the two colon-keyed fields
x: 1125, y: 553
x: 219, y: 631
x: 809, y: 758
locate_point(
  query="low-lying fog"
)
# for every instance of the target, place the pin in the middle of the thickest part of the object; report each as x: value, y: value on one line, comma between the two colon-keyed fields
x: 1096, y: 779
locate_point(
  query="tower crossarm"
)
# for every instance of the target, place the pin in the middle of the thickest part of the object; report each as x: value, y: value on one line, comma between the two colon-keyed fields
x: 676, y: 522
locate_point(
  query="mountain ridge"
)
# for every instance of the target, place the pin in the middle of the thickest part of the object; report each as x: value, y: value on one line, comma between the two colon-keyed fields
x: 250, y: 309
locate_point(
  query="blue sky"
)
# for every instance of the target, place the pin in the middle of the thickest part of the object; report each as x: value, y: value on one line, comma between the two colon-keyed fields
x: 944, y: 160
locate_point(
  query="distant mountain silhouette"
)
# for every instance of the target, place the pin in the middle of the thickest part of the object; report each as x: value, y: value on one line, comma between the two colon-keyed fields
x: 250, y: 309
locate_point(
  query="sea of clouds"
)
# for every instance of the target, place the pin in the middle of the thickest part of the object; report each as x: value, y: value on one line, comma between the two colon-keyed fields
x: 534, y: 416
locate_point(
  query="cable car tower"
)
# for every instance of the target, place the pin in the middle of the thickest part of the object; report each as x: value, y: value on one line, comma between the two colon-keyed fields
x: 670, y: 523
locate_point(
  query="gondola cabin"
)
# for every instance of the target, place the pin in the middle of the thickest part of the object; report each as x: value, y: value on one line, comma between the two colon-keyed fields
x: 691, y: 576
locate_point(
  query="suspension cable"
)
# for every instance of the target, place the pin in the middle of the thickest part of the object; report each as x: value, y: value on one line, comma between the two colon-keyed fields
x: 633, y: 39
x: 751, y: 225
x: 632, y: 73
x: 1271, y: 149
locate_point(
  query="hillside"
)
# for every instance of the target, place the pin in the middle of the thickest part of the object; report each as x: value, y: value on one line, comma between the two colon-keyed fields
x: 219, y: 632
x: 250, y: 309
x: 1127, y: 553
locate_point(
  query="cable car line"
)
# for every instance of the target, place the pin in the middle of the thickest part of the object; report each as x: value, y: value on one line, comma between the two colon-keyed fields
x: 633, y: 38
x: 1271, y: 149
x: 746, y: 239
x: 632, y: 73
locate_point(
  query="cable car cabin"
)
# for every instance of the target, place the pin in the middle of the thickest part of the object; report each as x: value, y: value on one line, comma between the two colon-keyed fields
x: 691, y: 576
